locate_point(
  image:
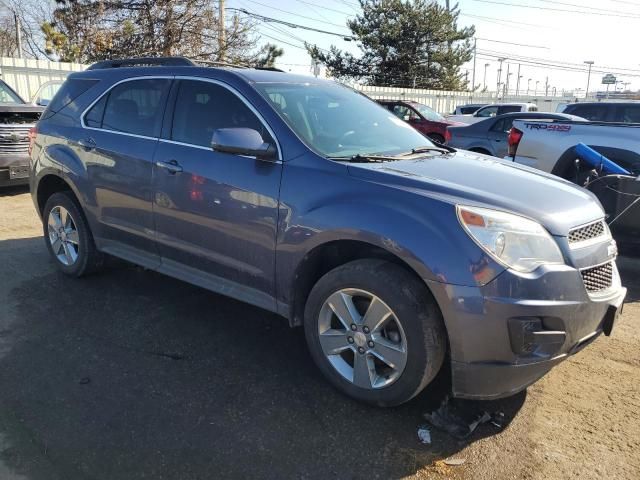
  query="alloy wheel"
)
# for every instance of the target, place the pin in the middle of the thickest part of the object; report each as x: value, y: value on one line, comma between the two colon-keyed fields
x: 63, y: 235
x: 362, y: 338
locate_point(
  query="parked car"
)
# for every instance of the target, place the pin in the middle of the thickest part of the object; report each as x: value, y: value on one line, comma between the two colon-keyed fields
x: 492, y: 111
x: 307, y: 199
x: 622, y: 112
x: 17, y: 117
x: 46, y: 92
x: 490, y: 136
x: 421, y: 117
x: 468, y: 109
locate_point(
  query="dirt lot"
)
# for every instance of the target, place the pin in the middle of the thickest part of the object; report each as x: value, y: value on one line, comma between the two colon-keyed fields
x: 130, y: 374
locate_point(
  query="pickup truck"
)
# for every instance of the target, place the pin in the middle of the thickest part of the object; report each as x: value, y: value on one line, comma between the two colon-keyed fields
x: 550, y: 146
x: 17, y: 118
x: 490, y: 111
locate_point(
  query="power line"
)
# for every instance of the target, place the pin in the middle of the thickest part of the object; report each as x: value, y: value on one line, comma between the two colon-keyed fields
x: 606, y: 10
x: 326, y: 8
x: 295, y: 14
x: 535, y: 7
x: 512, y: 43
x: 290, y: 24
x: 500, y: 21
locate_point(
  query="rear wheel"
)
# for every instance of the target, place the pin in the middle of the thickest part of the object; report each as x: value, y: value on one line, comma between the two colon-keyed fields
x: 375, y: 331
x: 68, y: 237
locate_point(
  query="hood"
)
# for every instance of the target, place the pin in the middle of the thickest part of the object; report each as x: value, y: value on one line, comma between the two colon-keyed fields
x: 480, y: 180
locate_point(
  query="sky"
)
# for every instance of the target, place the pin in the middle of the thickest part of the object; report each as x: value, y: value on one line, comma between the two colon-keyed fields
x: 564, y: 32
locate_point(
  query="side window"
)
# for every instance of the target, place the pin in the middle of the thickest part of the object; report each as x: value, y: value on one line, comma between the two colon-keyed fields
x: 93, y: 118
x: 134, y: 107
x: 203, y: 107
x: 499, y: 126
x: 628, y: 114
x: 595, y: 113
x: 509, y: 109
x: 487, y: 112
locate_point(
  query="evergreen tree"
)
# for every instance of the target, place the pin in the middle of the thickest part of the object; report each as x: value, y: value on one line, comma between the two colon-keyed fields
x: 403, y: 43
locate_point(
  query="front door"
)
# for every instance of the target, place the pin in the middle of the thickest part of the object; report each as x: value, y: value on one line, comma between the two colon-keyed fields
x: 215, y: 213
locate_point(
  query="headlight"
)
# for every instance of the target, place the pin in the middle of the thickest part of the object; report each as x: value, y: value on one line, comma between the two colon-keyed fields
x: 512, y: 240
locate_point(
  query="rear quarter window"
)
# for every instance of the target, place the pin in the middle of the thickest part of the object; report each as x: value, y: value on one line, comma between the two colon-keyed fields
x: 68, y: 92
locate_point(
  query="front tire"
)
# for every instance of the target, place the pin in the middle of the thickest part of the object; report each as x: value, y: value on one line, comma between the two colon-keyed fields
x: 68, y: 238
x: 375, y: 331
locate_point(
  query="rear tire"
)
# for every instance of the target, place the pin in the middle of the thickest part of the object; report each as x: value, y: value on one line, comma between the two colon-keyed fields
x: 68, y: 237
x: 401, y: 356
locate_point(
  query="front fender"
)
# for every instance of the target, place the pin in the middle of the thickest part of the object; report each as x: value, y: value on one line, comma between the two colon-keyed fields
x: 421, y: 231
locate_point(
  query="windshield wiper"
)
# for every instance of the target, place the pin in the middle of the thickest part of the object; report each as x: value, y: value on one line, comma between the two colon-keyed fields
x: 428, y: 148
x: 365, y: 158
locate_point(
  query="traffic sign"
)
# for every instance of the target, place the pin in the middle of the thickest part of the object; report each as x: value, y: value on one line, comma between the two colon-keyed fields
x: 609, y: 79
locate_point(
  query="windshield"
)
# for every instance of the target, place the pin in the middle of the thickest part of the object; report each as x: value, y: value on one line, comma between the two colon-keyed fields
x: 8, y: 96
x: 428, y: 113
x: 336, y: 121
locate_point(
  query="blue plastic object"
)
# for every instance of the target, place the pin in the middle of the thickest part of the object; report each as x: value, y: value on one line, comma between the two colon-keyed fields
x: 597, y: 160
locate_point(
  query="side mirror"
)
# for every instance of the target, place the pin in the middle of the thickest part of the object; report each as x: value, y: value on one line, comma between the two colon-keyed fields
x: 242, y: 141
x: 43, y: 102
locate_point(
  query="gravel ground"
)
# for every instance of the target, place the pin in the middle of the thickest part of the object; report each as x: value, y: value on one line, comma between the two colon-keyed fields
x: 130, y: 374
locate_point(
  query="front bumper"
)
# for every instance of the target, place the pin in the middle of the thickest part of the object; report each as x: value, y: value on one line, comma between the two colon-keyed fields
x: 507, y: 334
x: 14, y: 170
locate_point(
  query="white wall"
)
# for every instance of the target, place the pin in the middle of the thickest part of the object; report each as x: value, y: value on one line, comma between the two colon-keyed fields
x: 26, y: 75
x: 445, y: 102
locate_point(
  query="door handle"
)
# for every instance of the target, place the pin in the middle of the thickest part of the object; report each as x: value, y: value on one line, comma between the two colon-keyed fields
x: 87, y: 143
x: 172, y: 166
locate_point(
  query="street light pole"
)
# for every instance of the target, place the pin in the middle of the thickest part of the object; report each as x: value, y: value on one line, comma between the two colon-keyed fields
x: 484, y: 80
x: 536, y: 92
x: 473, y: 77
x: 500, y: 60
x: 590, y: 63
x: 518, y: 82
x: 529, y: 85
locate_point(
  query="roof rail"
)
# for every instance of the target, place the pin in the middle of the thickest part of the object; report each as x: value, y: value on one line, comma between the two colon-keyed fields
x: 143, y: 62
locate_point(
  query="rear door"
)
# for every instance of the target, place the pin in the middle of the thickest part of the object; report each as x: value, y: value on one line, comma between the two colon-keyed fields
x: 215, y: 213
x: 497, y: 136
x: 117, y: 143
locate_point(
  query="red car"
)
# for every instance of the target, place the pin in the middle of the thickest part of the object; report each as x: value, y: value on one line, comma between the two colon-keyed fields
x: 422, y: 118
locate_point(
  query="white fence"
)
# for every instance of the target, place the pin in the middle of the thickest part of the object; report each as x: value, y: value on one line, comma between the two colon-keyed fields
x: 26, y: 75
x: 445, y: 102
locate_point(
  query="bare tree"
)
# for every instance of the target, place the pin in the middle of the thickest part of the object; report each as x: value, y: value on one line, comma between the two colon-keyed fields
x: 90, y: 30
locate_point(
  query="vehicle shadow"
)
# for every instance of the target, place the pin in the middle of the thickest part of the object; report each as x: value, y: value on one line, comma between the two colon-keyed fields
x: 131, y: 374
x: 14, y: 190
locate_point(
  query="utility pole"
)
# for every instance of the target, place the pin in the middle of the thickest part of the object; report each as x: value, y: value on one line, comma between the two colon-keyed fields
x: 473, y: 77
x: 546, y: 87
x: 18, y: 34
x: 529, y: 85
x: 484, y: 81
x: 518, y: 81
x: 500, y: 60
x: 221, y: 32
x: 590, y: 63
x: 506, y: 84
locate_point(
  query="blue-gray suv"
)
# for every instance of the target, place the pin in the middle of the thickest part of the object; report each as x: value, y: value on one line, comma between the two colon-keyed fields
x: 400, y: 257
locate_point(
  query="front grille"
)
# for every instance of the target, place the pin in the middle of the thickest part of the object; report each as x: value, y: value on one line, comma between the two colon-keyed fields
x: 14, y: 139
x: 587, y: 232
x: 598, y: 278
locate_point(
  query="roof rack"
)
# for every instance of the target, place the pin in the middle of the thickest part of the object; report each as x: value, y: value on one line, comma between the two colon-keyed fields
x: 169, y: 62
x: 143, y: 62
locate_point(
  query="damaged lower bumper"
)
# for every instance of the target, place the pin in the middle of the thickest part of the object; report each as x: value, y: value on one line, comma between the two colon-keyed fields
x: 506, y: 335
